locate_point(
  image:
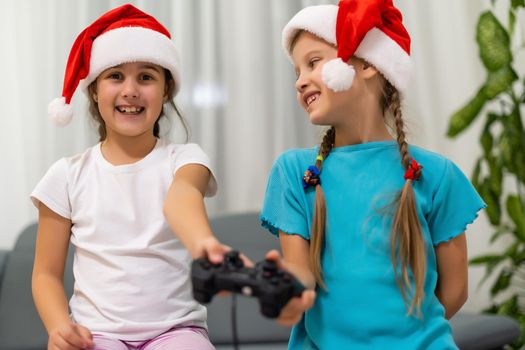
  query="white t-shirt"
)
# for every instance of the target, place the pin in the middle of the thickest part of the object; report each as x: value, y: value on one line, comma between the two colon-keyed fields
x: 131, y: 273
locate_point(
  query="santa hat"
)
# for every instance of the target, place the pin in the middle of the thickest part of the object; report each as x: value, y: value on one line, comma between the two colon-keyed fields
x: 122, y: 35
x: 371, y: 29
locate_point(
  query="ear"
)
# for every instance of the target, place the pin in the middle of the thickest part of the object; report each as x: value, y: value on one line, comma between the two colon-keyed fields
x: 368, y: 71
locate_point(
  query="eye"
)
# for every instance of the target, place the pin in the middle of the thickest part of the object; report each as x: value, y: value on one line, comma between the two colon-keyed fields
x: 312, y: 62
x: 146, y: 77
x: 114, y: 76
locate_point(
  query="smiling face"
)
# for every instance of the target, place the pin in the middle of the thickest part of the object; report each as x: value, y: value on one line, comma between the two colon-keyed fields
x: 130, y: 97
x: 309, y: 54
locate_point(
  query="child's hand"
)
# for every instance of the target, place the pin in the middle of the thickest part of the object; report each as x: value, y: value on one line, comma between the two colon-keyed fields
x: 293, y: 311
x: 215, y: 250
x: 70, y: 336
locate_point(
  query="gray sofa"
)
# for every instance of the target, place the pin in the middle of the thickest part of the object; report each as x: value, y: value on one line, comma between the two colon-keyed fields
x: 21, y: 328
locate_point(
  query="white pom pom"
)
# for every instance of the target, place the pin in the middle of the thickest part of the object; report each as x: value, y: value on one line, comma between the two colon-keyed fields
x: 338, y: 75
x: 59, y: 112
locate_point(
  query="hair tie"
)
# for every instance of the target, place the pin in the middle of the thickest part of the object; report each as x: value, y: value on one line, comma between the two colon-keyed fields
x: 311, y: 177
x: 319, y: 157
x: 414, y: 170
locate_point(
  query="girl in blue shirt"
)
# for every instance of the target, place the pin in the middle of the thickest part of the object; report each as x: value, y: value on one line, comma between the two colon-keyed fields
x: 375, y: 226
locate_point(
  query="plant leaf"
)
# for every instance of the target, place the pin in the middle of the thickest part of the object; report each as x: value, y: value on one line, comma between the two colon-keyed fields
x: 520, y: 164
x: 493, y: 209
x: 496, y: 176
x: 512, y: 21
x: 519, y: 258
x: 516, y: 134
x: 486, y: 141
x: 506, y: 152
x: 517, y: 3
x: 499, y: 232
x: 499, y: 81
x: 475, y: 174
x: 493, y: 41
x: 509, y: 307
x: 502, y: 283
x: 484, y: 259
x: 517, y: 214
x: 461, y: 119
x: 490, y: 261
x: 512, y: 250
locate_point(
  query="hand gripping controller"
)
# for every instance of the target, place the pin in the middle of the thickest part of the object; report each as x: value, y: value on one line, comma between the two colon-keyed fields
x: 272, y: 286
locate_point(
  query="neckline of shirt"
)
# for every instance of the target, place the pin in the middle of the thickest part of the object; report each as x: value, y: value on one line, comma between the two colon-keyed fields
x: 365, y: 146
x: 127, y: 168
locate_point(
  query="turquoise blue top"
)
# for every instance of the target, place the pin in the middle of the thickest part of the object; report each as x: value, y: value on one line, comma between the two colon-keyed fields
x: 362, y: 307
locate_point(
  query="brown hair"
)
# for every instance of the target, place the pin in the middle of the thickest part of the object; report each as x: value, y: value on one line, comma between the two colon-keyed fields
x: 406, y: 240
x: 170, y: 92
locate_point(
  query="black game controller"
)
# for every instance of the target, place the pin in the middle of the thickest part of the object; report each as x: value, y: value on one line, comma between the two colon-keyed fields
x: 272, y: 286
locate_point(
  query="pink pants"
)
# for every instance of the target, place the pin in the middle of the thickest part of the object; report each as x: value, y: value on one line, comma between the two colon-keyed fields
x: 183, y: 338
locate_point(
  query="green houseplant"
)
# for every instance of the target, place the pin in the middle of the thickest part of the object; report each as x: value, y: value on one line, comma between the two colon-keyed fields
x: 499, y: 173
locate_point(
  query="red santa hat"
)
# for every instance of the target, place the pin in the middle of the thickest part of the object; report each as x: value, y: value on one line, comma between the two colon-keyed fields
x: 124, y: 34
x: 371, y: 29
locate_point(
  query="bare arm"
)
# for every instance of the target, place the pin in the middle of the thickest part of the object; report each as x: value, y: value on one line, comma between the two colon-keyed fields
x: 452, y: 265
x: 48, y: 270
x: 185, y: 212
x: 47, y: 282
x: 296, y: 251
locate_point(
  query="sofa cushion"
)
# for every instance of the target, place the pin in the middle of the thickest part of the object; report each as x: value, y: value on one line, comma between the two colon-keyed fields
x: 483, y: 332
x: 4, y: 254
x: 20, y: 325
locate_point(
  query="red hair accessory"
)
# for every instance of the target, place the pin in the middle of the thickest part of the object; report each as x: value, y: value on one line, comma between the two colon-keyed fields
x: 414, y: 171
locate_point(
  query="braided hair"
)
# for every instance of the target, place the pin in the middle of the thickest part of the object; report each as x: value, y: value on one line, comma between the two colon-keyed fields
x: 406, y: 240
x: 407, y: 246
x: 318, y: 226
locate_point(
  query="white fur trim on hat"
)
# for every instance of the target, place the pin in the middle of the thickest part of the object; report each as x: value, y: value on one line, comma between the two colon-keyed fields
x: 388, y: 57
x: 319, y: 20
x: 338, y: 75
x: 59, y: 112
x: 132, y: 44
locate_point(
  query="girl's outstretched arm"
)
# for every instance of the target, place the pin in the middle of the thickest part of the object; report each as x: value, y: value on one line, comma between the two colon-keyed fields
x: 47, y: 283
x: 295, y: 260
x: 452, y: 265
x: 185, y: 212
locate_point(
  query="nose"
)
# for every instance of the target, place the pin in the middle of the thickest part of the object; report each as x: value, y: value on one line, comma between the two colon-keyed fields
x: 301, y: 83
x: 130, y: 89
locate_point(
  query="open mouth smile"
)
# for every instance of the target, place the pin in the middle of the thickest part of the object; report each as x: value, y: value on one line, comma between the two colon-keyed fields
x: 310, y: 97
x: 129, y: 109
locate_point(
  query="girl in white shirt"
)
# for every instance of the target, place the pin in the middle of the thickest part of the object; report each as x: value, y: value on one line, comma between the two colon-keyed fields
x: 120, y: 201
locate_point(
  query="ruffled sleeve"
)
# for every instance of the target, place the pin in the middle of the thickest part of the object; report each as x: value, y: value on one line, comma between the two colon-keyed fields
x: 284, y: 206
x: 455, y: 204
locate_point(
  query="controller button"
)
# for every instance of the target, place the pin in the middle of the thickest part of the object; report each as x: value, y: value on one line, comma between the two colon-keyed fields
x: 246, y: 290
x: 275, y: 280
x: 232, y: 260
x: 269, y: 266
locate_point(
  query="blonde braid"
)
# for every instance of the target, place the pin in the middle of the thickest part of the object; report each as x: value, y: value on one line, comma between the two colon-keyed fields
x: 406, y: 241
x: 319, y: 222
